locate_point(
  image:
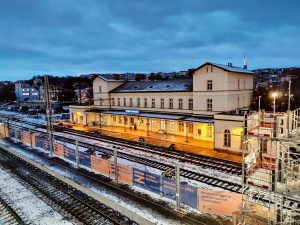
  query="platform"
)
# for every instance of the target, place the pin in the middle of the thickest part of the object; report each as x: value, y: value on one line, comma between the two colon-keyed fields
x: 163, y: 140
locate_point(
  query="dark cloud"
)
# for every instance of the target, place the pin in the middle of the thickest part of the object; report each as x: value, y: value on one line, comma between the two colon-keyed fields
x: 81, y: 36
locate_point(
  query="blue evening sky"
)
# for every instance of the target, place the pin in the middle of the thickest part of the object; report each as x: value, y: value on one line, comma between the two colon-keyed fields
x: 72, y: 37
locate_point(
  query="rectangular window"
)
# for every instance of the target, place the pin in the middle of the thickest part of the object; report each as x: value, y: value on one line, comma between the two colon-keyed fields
x: 162, y: 103
x: 171, y: 103
x: 199, y: 132
x: 163, y: 125
x: 113, y: 102
x: 238, y: 84
x: 244, y: 84
x: 180, y: 126
x: 145, y: 103
x: 209, y: 85
x: 124, y: 101
x: 153, y: 103
x: 238, y: 102
x: 114, y: 119
x: 100, y: 101
x: 264, y: 146
x: 153, y: 121
x: 172, y: 125
x: 130, y: 102
x: 138, y: 102
x: 120, y: 119
x: 100, y: 89
x: 180, y: 103
x: 191, y: 128
x: 209, y: 130
x: 209, y: 104
x: 119, y: 102
x: 190, y: 104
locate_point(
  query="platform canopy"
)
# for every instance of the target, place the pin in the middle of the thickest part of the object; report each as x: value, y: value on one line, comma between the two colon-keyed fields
x: 153, y: 115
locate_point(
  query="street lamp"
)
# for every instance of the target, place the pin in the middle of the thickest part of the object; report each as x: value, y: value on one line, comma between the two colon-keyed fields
x: 274, y: 95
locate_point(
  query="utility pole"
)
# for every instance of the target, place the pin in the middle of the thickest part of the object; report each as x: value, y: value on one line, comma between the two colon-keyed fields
x: 177, y: 172
x: 116, y: 165
x: 49, y: 116
x: 289, y: 109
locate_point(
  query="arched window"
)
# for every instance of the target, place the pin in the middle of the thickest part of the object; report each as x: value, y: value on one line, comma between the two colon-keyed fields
x: 227, y: 138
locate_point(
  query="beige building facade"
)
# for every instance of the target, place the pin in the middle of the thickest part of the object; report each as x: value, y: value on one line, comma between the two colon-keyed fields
x: 190, y: 107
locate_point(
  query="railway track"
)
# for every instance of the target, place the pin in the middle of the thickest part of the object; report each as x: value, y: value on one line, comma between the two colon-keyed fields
x: 196, y: 159
x: 8, y: 216
x: 289, y: 203
x: 69, y: 200
x: 202, y: 177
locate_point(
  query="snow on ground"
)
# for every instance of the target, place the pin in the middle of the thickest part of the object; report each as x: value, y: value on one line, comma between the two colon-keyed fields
x: 134, y: 152
x: 106, y: 192
x: 31, y: 207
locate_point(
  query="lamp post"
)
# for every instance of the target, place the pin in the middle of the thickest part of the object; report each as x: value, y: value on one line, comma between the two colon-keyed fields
x: 274, y: 95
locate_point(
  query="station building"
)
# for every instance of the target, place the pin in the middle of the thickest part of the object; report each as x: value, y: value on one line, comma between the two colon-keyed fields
x: 205, y: 107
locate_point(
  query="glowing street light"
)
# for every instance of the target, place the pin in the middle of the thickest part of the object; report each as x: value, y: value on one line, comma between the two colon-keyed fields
x: 274, y: 95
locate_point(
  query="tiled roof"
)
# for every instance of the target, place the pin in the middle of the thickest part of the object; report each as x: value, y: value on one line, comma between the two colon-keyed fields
x: 156, y: 86
x: 234, y: 69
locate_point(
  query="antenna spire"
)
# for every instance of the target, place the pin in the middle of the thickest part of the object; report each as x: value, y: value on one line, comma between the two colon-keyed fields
x: 245, y: 62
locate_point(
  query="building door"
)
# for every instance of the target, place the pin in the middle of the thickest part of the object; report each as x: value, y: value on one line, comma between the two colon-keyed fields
x: 162, y: 124
x: 131, y: 120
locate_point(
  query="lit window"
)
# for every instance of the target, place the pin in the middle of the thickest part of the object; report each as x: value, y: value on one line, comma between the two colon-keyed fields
x: 153, y: 122
x: 227, y: 138
x: 209, y: 130
x: 209, y: 104
x: 171, y: 103
x: 209, y: 85
x: 172, y: 125
x: 180, y: 126
x: 180, y: 103
x: 191, y: 128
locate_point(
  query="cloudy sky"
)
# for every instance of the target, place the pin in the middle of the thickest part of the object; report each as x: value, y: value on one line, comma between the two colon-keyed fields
x: 72, y: 37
